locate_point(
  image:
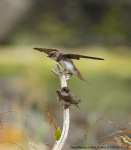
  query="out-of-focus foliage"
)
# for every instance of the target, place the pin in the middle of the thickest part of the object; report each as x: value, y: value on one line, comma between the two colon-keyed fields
x: 68, y: 23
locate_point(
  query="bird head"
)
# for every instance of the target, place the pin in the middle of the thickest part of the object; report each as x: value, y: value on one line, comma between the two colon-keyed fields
x: 53, y: 55
x: 65, y: 91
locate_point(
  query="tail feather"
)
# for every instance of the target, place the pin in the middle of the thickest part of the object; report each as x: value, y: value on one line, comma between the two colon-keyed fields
x: 81, y: 78
x: 76, y: 105
x: 78, y: 74
x: 76, y: 102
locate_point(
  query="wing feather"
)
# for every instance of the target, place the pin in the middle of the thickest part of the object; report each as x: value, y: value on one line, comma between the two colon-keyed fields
x: 77, y: 56
x: 46, y: 50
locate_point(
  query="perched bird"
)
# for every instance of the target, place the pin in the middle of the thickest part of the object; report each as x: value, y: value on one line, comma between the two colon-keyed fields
x: 65, y: 60
x: 66, y: 98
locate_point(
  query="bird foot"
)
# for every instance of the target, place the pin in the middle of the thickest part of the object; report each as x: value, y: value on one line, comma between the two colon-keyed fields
x: 68, y: 75
x: 66, y: 106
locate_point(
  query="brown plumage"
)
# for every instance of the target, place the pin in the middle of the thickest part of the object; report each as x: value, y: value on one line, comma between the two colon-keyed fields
x: 69, y: 55
x: 65, y: 60
x: 66, y: 98
x: 46, y: 50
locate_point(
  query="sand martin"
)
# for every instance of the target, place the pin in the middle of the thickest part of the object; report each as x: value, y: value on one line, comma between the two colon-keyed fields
x: 66, y: 98
x: 65, y: 60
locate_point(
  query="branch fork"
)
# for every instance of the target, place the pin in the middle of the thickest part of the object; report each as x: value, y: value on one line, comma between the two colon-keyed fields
x: 66, y: 114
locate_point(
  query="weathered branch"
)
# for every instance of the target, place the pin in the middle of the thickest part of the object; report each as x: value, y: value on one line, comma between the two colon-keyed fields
x: 66, y: 114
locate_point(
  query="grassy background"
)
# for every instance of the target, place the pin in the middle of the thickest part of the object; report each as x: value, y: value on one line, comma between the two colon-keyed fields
x: 31, y: 84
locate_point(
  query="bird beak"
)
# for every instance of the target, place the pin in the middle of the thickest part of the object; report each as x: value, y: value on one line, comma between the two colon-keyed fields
x: 48, y: 56
x: 57, y: 91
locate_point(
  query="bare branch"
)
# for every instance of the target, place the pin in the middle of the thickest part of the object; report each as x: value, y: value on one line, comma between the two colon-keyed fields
x: 58, y: 68
x: 54, y: 72
x: 62, y: 75
x: 66, y: 114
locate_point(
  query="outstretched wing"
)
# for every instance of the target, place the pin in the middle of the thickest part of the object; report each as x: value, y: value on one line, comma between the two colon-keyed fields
x: 46, y: 50
x: 77, y: 56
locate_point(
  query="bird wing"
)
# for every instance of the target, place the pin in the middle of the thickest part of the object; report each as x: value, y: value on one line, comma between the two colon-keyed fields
x: 46, y: 50
x: 77, y: 56
x: 77, y: 101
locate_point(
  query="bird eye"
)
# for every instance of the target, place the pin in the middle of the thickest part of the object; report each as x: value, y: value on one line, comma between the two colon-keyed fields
x: 51, y: 54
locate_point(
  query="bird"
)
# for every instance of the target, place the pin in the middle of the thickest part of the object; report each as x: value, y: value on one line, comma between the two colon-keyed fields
x: 66, y: 98
x: 65, y: 60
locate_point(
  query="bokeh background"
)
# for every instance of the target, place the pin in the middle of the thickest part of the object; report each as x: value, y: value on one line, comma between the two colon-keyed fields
x: 100, y: 28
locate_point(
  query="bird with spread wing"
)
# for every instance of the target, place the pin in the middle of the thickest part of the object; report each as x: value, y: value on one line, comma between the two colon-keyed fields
x: 65, y: 60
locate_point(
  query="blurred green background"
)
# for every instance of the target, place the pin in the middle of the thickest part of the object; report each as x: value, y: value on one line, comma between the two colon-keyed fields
x: 89, y: 27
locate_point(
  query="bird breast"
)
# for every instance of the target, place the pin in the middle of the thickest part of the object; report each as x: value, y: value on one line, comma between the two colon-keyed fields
x: 66, y: 65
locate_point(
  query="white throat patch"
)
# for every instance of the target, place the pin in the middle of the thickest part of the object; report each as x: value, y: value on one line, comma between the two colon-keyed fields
x: 54, y: 58
x: 64, y: 94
